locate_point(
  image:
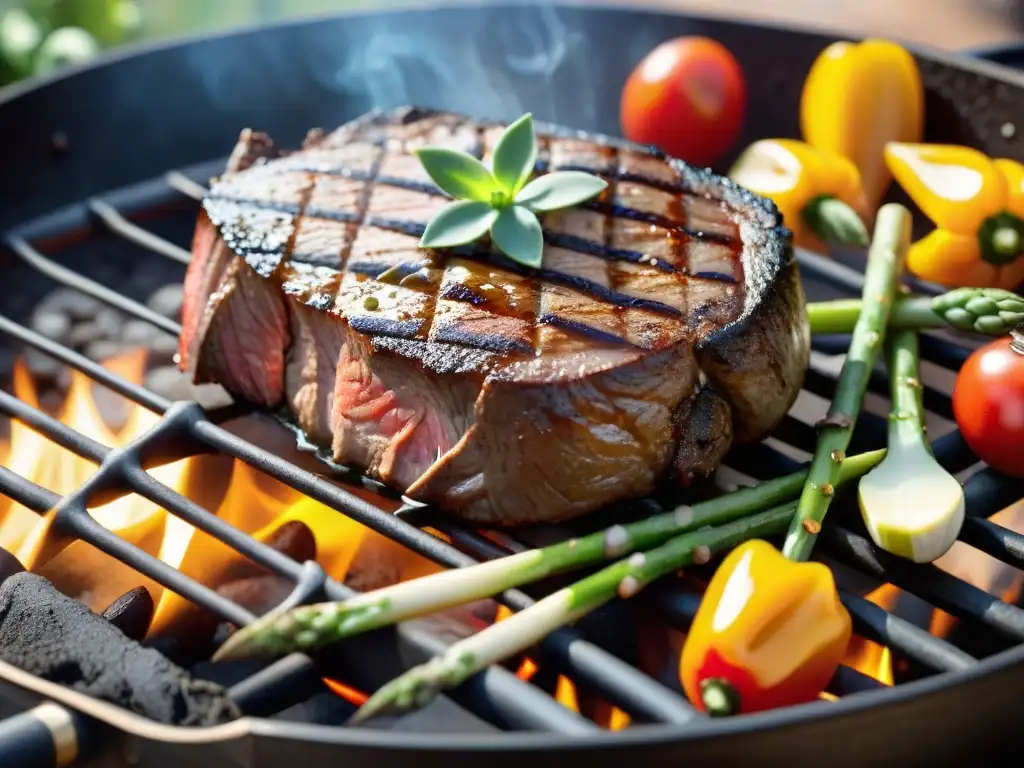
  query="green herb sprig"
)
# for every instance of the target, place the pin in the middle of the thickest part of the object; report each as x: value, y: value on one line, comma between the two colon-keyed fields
x: 501, y: 200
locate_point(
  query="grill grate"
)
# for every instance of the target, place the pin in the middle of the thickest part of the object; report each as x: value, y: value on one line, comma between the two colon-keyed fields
x: 496, y: 694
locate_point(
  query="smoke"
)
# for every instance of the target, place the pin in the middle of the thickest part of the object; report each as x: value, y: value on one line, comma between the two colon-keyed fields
x: 491, y: 62
x: 490, y: 65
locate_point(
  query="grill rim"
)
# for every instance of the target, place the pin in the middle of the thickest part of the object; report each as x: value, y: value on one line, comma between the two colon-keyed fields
x: 520, y: 742
x: 671, y: 733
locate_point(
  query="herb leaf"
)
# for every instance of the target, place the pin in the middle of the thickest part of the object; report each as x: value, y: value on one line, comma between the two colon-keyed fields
x: 458, y: 224
x: 517, y: 232
x: 560, y: 189
x: 500, y: 200
x: 460, y: 175
x: 515, y: 155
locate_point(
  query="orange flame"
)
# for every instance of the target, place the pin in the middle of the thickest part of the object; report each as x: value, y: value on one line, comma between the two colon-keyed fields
x: 346, y: 692
x: 612, y: 718
x: 867, y: 656
x: 984, y: 572
x: 79, y: 569
x: 241, y: 496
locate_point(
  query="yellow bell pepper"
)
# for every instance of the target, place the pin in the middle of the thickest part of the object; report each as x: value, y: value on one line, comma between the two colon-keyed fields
x: 977, y: 206
x: 769, y: 633
x: 818, y: 193
x: 856, y: 98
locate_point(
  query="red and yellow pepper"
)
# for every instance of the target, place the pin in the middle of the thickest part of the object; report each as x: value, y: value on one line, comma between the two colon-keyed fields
x: 977, y: 206
x: 818, y: 192
x: 857, y: 97
x: 769, y: 633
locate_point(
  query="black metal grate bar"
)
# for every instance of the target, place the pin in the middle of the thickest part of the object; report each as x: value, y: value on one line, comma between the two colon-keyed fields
x: 48, y: 426
x: 65, y: 276
x: 294, y: 677
x: 830, y: 271
x: 641, y: 696
x: 186, y: 186
x: 821, y: 383
x: 119, y: 225
x: 992, y: 539
x: 879, y: 625
x: 848, y: 681
x: 95, y: 371
x: 185, y: 426
x: 72, y: 517
x: 586, y: 663
x: 929, y: 582
x: 678, y: 607
x: 27, y: 493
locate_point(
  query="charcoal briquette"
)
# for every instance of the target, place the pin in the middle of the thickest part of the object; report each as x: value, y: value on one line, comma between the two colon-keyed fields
x: 138, y: 333
x: 9, y: 565
x: 59, y: 639
x: 78, y: 306
x: 44, y: 369
x: 169, y: 382
x: 52, y: 325
x: 103, y: 350
x: 109, y: 322
x: 132, y: 612
x: 166, y: 301
x: 83, y: 334
x: 163, y: 347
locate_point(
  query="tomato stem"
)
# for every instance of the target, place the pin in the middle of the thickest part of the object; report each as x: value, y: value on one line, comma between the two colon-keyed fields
x: 1017, y: 339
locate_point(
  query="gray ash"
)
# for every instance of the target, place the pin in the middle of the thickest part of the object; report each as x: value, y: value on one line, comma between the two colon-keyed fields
x: 57, y: 638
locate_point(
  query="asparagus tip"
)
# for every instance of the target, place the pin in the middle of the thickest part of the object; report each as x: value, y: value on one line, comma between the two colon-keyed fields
x: 413, y: 690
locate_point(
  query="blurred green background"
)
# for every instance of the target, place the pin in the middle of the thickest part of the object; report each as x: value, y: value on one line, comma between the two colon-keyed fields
x: 37, y: 36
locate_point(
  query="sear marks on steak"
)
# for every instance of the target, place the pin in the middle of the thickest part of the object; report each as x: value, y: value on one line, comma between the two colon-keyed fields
x: 503, y: 393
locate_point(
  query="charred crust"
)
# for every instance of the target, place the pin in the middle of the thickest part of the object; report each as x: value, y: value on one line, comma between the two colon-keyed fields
x: 702, y: 431
x: 314, y: 136
x: 252, y: 147
x: 410, y: 114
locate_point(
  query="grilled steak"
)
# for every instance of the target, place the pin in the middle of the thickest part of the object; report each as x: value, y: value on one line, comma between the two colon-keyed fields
x: 505, y: 394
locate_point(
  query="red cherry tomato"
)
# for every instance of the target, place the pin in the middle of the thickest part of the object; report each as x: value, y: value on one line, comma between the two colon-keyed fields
x: 988, y: 402
x: 688, y: 97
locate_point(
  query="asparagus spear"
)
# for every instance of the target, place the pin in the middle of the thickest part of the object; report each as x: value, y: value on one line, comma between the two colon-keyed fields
x: 520, y: 631
x: 989, y: 311
x: 314, y: 626
x: 886, y: 259
x: 911, y: 506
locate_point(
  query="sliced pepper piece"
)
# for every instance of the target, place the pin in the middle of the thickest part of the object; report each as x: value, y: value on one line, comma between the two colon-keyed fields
x: 1013, y: 173
x: 977, y: 205
x: 859, y: 96
x: 769, y: 633
x: 817, y: 192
